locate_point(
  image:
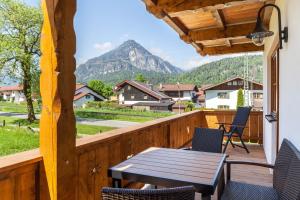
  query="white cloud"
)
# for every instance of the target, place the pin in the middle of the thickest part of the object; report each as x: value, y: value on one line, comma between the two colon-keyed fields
x: 161, y: 53
x: 103, y: 47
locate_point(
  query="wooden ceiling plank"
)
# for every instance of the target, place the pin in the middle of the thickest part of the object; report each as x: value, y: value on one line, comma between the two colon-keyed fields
x: 217, y: 33
x: 175, y: 9
x: 230, y: 50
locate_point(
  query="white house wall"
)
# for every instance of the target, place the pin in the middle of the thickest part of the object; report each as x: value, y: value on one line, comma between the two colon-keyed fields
x: 213, y: 101
x: 289, y: 72
x: 134, y: 102
x: 187, y: 96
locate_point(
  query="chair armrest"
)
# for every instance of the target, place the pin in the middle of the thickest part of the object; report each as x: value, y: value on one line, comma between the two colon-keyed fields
x: 237, y: 162
x: 223, y: 123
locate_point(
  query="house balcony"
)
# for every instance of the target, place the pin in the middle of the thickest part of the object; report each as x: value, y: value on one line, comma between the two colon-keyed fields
x: 22, y: 176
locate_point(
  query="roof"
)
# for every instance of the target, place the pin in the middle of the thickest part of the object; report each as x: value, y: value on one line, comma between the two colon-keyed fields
x: 180, y: 87
x: 233, y: 79
x: 80, y: 95
x: 80, y: 85
x: 92, y: 92
x: 212, y: 27
x: 11, y: 88
x: 157, y: 104
x: 154, y: 92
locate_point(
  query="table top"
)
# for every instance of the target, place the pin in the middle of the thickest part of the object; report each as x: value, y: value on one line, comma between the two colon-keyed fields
x: 172, y: 167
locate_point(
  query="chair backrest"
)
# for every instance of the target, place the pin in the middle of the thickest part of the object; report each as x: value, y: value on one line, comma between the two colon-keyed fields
x: 286, y: 176
x: 179, y: 193
x: 240, y: 119
x: 208, y: 140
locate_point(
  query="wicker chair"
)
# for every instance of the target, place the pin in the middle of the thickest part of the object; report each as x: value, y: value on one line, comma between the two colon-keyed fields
x: 208, y: 140
x: 286, y: 178
x: 236, y: 128
x: 179, y: 193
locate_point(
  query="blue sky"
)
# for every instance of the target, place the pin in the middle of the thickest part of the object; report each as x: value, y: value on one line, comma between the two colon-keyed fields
x: 102, y: 25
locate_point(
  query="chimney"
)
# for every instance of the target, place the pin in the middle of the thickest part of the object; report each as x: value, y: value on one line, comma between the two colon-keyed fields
x: 160, y: 85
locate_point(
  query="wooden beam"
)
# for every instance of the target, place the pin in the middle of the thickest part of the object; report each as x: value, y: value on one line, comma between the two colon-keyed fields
x: 220, y: 19
x: 151, y: 6
x: 57, y: 124
x: 240, y: 30
x: 220, y: 50
x: 176, y: 8
x: 228, y: 43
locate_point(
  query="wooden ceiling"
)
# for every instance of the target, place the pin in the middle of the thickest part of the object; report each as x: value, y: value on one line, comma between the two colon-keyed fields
x: 213, y: 27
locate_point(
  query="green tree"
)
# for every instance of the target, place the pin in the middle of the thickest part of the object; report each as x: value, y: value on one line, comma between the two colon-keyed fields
x: 140, y: 78
x: 240, y: 98
x: 101, y: 88
x: 20, y: 30
x: 189, y: 106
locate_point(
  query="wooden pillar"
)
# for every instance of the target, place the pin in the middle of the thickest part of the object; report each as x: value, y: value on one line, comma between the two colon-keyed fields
x: 57, y: 126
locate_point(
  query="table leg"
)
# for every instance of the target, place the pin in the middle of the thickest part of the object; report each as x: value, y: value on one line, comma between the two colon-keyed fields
x: 221, y: 185
x: 206, y: 197
x: 117, y: 183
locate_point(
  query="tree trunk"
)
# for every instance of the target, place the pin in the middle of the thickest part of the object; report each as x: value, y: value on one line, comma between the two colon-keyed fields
x: 28, y: 96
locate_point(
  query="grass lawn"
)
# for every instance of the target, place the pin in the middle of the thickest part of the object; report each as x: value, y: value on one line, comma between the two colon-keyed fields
x: 121, y: 114
x: 13, y: 140
x: 83, y: 129
x: 17, y: 108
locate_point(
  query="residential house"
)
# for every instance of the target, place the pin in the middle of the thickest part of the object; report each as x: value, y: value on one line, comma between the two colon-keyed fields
x: 84, y: 94
x: 182, y: 92
x: 224, y: 95
x: 12, y: 93
x: 133, y: 93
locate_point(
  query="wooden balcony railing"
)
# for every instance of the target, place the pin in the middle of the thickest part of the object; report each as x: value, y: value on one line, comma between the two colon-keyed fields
x: 22, y: 175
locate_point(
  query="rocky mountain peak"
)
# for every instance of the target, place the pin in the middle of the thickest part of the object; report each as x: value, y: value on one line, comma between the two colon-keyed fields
x: 129, y: 56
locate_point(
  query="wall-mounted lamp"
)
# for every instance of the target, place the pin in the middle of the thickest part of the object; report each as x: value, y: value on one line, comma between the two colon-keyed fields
x: 261, y: 32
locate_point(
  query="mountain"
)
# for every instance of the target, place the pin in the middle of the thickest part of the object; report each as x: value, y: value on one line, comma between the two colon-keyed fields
x: 124, y: 62
x: 221, y: 70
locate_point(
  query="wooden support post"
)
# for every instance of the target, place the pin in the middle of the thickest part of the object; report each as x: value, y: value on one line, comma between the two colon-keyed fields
x: 57, y: 125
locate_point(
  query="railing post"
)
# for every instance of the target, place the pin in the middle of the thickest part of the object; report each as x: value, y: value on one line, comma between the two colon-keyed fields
x: 57, y: 125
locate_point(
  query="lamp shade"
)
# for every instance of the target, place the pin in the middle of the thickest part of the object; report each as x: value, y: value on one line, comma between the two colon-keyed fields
x: 260, y: 31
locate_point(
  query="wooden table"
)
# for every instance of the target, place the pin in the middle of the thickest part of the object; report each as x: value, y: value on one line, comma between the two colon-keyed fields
x: 173, y: 167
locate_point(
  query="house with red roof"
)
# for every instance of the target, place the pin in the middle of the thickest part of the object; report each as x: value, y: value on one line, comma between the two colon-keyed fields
x: 182, y: 92
x: 12, y: 93
x: 84, y: 94
x: 142, y: 96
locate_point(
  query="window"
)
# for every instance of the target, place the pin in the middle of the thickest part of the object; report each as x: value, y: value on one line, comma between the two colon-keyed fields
x: 223, y: 107
x: 241, y: 82
x: 145, y: 97
x: 223, y: 95
x: 128, y: 87
x: 234, y: 83
x: 132, y: 96
x: 257, y: 95
x: 229, y: 83
x: 88, y: 97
